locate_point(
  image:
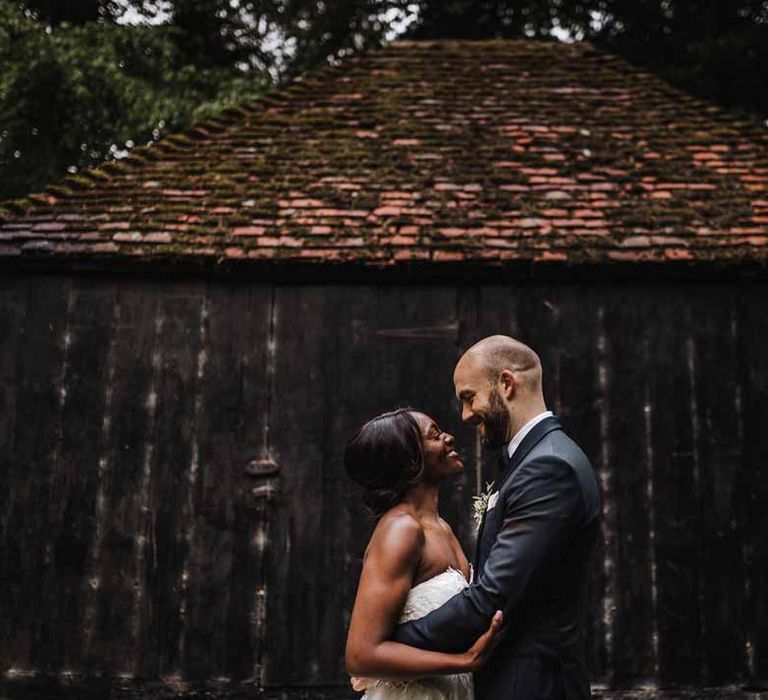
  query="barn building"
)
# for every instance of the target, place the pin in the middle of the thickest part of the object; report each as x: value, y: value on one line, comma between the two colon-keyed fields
x: 189, y: 336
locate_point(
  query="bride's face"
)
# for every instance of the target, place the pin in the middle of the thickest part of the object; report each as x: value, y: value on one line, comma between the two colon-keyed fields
x: 440, y: 458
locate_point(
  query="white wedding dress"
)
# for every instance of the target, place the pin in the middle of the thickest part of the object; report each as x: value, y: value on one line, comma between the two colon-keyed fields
x: 422, y: 599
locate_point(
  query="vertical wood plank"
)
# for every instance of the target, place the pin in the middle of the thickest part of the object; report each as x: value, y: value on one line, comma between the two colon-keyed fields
x: 675, y: 500
x: 172, y: 472
x: 104, y: 457
x: 117, y: 626
x: 605, y: 470
x: 539, y: 315
x: 575, y: 337
x: 70, y: 513
x: 633, y: 652
x: 13, y: 303
x: 224, y: 566
x: 29, y: 550
x: 752, y: 338
x: 297, y: 442
x: 720, y: 457
x: 255, y: 511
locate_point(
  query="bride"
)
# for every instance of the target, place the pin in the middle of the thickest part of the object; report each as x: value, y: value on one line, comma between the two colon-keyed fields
x: 413, y: 563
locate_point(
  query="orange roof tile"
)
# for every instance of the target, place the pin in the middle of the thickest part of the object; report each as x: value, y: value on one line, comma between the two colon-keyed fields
x: 431, y: 151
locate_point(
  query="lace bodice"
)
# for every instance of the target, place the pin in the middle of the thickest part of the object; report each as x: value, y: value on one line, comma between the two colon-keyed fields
x: 423, y: 598
x: 429, y: 595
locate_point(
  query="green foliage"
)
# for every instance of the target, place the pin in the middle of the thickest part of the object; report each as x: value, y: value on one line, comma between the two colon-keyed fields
x: 318, y: 31
x: 486, y: 19
x: 78, y: 94
x: 715, y: 48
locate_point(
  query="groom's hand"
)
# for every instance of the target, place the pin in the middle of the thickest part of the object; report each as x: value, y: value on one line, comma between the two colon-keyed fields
x: 486, y: 643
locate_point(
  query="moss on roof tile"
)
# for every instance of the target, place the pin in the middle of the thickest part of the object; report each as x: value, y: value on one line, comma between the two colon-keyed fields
x: 440, y: 151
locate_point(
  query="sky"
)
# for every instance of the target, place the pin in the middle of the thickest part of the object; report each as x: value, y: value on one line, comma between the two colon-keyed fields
x: 131, y: 16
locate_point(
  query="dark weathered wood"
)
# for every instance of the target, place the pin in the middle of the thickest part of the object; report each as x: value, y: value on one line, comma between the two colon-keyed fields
x: 352, y: 373
x: 118, y: 572
x: 604, y: 466
x: 752, y: 340
x: 75, y: 463
x: 52, y: 630
x: 148, y: 541
x: 719, y: 452
x: 29, y: 547
x: 227, y: 540
x: 633, y: 651
x: 673, y: 402
x: 539, y: 316
x: 166, y: 482
x: 13, y: 293
x: 575, y: 338
x: 301, y: 409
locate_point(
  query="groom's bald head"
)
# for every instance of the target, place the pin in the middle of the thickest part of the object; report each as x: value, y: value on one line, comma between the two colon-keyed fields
x: 497, y: 353
x: 498, y: 381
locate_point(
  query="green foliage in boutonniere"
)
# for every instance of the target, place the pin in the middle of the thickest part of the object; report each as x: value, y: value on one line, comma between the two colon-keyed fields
x: 480, y: 503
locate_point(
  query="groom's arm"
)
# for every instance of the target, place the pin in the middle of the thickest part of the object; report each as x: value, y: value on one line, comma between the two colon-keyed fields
x: 538, y: 512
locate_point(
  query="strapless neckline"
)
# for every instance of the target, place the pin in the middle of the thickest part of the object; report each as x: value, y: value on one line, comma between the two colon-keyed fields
x: 422, y: 599
x: 449, y: 571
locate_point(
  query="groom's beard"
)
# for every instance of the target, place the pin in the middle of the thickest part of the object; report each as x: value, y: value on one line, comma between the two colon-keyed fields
x: 496, y: 422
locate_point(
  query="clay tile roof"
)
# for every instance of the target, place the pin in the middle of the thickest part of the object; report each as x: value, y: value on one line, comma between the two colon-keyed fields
x: 430, y: 151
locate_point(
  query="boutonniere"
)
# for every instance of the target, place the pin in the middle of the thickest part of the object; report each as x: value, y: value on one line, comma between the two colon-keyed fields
x: 480, y: 503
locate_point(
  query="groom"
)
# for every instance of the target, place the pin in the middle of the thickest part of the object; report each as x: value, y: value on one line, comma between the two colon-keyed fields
x: 532, y: 553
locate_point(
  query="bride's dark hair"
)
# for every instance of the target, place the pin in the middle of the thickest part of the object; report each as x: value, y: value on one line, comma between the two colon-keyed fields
x: 385, y: 457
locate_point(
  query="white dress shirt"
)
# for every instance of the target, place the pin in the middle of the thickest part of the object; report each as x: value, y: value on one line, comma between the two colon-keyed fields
x: 514, y: 443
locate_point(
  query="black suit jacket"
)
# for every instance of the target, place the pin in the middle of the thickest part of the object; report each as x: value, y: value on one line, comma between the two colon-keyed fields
x: 531, y: 561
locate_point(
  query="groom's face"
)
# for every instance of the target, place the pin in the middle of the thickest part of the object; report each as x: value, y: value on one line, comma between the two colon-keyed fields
x: 481, y: 403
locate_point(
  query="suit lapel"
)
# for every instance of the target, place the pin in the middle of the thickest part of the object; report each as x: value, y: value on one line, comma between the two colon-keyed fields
x: 534, y: 437
x: 508, y: 467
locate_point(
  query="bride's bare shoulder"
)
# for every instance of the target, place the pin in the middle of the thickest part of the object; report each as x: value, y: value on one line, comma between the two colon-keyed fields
x: 398, y: 533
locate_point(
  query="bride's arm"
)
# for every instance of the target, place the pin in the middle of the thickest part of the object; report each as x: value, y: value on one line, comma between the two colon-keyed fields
x: 388, y: 570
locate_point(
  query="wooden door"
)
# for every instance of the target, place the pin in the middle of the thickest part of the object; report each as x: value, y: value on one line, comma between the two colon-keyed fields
x: 343, y: 355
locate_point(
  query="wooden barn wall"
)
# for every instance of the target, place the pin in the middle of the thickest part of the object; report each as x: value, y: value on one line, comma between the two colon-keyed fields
x: 174, y: 515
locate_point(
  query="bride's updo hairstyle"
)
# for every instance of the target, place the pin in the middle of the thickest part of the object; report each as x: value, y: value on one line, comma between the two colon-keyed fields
x: 385, y: 457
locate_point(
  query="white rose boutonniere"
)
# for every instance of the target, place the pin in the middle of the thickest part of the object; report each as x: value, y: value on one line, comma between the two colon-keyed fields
x: 480, y: 503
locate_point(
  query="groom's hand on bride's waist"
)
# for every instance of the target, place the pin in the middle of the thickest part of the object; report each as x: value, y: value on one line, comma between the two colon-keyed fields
x: 479, y: 653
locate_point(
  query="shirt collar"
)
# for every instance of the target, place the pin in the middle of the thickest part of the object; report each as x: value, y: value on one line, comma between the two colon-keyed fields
x: 514, y: 443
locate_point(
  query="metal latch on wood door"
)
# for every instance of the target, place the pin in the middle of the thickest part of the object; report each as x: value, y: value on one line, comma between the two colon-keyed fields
x: 259, y: 469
